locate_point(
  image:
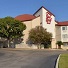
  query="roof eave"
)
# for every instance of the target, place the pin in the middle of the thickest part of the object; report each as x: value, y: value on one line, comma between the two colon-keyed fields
x: 45, y: 9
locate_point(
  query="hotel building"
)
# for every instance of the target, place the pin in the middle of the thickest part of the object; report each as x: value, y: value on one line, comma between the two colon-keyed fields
x: 46, y: 19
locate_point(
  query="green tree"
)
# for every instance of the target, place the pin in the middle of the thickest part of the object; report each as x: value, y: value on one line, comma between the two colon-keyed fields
x: 11, y: 28
x: 59, y: 43
x: 39, y: 35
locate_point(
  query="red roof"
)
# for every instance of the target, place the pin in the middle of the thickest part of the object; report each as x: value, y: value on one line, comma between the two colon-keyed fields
x: 65, y: 23
x: 25, y: 17
x: 45, y: 9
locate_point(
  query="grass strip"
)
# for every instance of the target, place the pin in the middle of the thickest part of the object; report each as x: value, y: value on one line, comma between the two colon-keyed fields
x: 63, y: 61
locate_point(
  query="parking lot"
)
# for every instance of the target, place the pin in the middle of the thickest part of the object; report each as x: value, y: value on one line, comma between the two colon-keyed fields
x: 28, y: 58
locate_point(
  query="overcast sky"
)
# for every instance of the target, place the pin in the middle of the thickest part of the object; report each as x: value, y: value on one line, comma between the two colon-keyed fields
x: 17, y: 7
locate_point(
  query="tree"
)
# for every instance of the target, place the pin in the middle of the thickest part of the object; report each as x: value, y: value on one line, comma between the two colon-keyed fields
x: 39, y: 35
x: 59, y: 43
x: 11, y: 28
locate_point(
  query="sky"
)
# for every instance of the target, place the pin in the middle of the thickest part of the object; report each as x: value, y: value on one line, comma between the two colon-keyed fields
x: 14, y: 8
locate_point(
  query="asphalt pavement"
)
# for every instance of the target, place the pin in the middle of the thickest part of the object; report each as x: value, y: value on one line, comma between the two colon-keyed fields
x: 10, y: 58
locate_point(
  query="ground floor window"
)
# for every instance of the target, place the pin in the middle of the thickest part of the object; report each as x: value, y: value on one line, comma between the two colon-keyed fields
x: 65, y: 43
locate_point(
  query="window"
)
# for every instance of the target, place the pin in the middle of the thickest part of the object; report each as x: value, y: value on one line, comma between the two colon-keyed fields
x: 41, y: 23
x: 65, y: 36
x: 65, y: 44
x: 64, y: 28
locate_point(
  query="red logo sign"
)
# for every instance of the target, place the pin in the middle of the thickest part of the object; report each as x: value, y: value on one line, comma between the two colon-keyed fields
x: 48, y: 17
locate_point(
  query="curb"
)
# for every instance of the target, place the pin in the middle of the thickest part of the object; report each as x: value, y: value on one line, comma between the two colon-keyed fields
x: 57, y: 61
